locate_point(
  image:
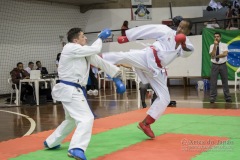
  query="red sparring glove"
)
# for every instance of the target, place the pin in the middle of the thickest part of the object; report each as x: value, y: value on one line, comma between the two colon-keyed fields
x: 180, y: 38
x: 122, y: 39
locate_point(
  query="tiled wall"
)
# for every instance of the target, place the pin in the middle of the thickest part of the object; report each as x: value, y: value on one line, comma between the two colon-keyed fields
x: 29, y: 31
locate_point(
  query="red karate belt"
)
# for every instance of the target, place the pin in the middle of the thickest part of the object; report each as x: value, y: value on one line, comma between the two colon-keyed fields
x: 157, y: 60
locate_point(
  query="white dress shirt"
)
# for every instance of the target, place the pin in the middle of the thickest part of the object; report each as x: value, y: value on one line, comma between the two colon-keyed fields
x: 222, y: 47
x: 28, y: 69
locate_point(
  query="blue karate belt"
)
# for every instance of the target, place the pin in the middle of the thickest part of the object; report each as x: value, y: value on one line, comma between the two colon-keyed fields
x: 75, y: 85
x: 71, y: 84
x: 83, y: 89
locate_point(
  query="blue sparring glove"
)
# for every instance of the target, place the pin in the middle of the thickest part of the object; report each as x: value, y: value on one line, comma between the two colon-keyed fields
x: 105, y: 34
x: 119, y: 85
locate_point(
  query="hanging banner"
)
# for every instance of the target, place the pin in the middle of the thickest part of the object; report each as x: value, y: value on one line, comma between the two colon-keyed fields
x: 141, y: 10
x: 230, y: 37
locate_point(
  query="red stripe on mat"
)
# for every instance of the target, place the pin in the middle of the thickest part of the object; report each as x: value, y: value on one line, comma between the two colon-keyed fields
x: 167, y: 147
x: 34, y: 142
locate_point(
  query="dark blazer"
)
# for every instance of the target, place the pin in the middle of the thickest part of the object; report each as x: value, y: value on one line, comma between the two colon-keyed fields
x: 43, y: 70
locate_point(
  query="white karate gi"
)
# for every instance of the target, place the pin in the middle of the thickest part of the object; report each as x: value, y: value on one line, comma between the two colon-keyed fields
x: 74, y: 66
x: 145, y: 64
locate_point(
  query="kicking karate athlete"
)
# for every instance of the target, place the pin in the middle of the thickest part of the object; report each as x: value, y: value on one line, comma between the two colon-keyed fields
x: 73, y: 71
x: 149, y: 63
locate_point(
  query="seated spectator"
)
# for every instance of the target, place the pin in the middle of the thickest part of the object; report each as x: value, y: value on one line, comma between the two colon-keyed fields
x: 30, y: 67
x: 235, y: 12
x: 17, y: 74
x: 143, y: 91
x: 92, y: 86
x: 236, y: 4
x: 229, y: 15
x: 213, y: 6
x: 124, y: 28
x: 212, y: 23
x: 57, y: 59
x: 42, y: 69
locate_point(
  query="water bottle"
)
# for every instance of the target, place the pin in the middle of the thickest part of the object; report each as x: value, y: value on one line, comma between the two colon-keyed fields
x: 205, y: 84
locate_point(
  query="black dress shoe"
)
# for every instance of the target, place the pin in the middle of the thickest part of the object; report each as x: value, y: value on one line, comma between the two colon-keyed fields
x: 212, y: 100
x: 229, y: 101
x: 144, y: 105
x: 172, y: 103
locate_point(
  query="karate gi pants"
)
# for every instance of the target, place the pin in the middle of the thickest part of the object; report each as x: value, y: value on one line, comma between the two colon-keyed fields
x: 77, y: 114
x: 138, y: 59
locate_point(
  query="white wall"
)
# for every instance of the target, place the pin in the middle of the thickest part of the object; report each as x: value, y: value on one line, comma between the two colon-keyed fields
x: 190, y: 66
x: 113, y: 18
x: 30, y: 32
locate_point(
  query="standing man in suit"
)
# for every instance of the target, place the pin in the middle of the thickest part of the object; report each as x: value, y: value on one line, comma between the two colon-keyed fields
x: 219, y: 52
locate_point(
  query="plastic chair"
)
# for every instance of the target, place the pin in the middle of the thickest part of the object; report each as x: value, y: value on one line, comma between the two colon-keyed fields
x: 150, y: 94
x: 102, y: 76
x: 13, y: 90
x: 128, y: 74
x: 150, y: 91
x: 236, y: 79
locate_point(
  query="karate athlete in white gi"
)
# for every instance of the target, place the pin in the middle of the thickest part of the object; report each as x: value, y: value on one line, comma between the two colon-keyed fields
x: 149, y: 63
x: 73, y: 71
